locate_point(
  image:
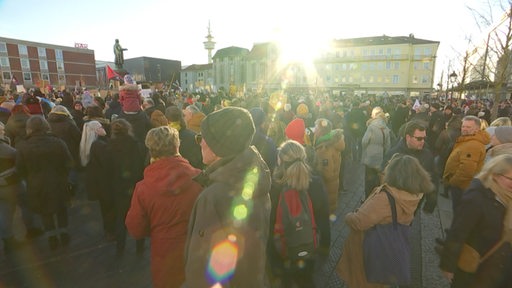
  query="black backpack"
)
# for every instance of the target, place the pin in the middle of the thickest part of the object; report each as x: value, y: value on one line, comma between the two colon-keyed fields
x: 295, y: 228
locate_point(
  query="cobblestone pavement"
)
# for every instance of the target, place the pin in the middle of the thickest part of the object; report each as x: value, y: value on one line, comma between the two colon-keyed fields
x: 90, y: 261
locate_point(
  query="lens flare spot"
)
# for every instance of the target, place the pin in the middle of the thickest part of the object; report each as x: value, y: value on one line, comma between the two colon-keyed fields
x: 240, y: 212
x: 333, y: 217
x: 222, y: 262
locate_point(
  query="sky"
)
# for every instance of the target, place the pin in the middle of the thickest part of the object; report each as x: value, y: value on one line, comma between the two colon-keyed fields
x: 176, y: 30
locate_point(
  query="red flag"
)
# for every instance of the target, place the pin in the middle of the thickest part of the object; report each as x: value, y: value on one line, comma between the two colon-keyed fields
x: 111, y: 73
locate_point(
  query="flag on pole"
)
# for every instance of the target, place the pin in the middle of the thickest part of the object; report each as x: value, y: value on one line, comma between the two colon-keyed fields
x: 111, y: 73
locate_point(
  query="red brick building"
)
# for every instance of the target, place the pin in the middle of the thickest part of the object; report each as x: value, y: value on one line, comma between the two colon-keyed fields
x: 37, y: 64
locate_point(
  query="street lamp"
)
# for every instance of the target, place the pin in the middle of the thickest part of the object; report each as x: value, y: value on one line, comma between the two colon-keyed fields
x: 453, y: 80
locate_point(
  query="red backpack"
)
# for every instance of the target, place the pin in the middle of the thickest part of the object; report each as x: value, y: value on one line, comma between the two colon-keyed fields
x: 295, y: 229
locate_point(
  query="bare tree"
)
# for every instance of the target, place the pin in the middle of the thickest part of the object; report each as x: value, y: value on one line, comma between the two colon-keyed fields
x: 493, y: 64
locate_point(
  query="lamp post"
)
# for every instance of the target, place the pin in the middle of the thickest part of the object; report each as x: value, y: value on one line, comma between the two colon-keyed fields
x: 453, y: 80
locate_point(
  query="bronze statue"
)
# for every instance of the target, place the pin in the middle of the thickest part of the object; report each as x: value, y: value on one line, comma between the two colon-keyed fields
x: 118, y: 52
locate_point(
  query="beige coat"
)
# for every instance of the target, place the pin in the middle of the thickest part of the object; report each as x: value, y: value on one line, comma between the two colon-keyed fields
x: 328, y: 163
x: 375, y: 210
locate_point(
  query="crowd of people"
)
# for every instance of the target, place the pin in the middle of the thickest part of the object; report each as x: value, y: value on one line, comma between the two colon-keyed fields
x: 204, y: 177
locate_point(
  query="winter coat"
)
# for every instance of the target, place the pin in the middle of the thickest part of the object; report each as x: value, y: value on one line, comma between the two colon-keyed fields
x: 376, y: 142
x: 129, y: 98
x: 466, y: 159
x: 478, y: 222
x: 328, y: 150
x: 140, y: 124
x: 318, y: 195
x: 65, y: 128
x: 97, y: 180
x: 10, y: 182
x: 44, y: 161
x: 15, y: 127
x: 160, y: 209
x: 375, y: 210
x: 230, y: 218
x: 126, y: 166
x: 266, y: 147
x: 189, y: 149
x: 424, y: 156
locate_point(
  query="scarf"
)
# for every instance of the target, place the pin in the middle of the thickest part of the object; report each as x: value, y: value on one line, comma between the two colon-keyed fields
x: 504, y: 197
x: 175, y: 125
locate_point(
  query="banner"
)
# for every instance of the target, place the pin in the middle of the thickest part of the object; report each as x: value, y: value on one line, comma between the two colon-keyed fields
x: 111, y: 73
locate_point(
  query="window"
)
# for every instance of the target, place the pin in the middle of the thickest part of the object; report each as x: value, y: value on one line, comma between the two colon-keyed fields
x: 380, y: 66
x: 3, y: 47
x: 43, y: 64
x: 60, y: 65
x: 58, y: 54
x: 4, y: 62
x: 426, y: 65
x: 22, y: 49
x: 424, y: 79
x: 45, y: 76
x: 27, y: 76
x: 25, y: 64
x: 415, y: 79
x: 42, y: 52
x: 397, y: 65
x: 388, y: 65
x: 6, y: 75
x: 416, y: 65
x: 427, y: 51
x: 395, y: 79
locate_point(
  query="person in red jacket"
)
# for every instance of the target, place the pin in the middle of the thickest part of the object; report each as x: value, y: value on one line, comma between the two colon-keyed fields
x: 161, y: 206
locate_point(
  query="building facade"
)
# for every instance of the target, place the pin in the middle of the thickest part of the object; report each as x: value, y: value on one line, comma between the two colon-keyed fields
x: 33, y: 64
x: 197, y: 78
x: 229, y: 68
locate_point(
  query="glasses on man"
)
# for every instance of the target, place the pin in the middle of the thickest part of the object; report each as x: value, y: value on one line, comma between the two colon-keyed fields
x: 199, y: 138
x: 419, y: 138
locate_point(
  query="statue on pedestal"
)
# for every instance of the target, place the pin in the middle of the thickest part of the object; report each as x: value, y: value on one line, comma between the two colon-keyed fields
x: 119, y: 53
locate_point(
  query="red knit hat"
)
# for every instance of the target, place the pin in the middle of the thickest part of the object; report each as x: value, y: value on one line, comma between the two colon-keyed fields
x: 296, y: 130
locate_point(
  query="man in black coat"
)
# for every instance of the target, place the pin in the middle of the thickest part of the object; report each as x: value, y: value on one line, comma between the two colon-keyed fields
x: 413, y: 144
x: 44, y: 161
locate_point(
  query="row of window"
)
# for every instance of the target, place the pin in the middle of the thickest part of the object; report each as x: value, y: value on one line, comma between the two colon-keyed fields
x: 27, y: 76
x: 419, y: 52
x: 23, y: 50
x: 25, y: 64
x: 393, y: 79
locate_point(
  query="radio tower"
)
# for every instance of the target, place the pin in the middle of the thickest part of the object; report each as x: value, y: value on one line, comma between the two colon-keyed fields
x: 209, y: 45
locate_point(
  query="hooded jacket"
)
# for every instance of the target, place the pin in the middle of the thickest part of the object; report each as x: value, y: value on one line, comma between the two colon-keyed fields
x: 375, y: 143
x: 160, y: 208
x: 466, y: 159
x: 375, y: 210
x: 231, y: 219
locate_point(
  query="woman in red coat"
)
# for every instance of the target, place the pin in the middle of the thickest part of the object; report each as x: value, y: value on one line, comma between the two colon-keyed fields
x: 161, y: 206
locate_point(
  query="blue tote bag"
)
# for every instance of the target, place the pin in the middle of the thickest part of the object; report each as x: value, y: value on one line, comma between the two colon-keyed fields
x: 386, y: 251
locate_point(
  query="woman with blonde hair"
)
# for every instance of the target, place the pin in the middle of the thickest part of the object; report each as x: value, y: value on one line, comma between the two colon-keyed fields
x: 406, y: 181
x: 293, y: 173
x: 94, y: 157
x: 375, y: 143
x: 501, y: 121
x: 162, y: 204
x: 482, y: 226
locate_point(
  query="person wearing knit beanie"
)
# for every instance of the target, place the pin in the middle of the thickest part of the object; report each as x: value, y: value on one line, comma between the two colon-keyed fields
x: 302, y: 111
x: 228, y: 131
x: 502, y: 135
x: 296, y: 130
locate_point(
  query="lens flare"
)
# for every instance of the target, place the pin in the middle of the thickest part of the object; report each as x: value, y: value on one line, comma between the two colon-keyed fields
x: 223, y: 261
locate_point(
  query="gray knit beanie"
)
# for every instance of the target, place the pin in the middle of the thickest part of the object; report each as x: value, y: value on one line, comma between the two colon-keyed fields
x: 504, y: 134
x: 228, y: 131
